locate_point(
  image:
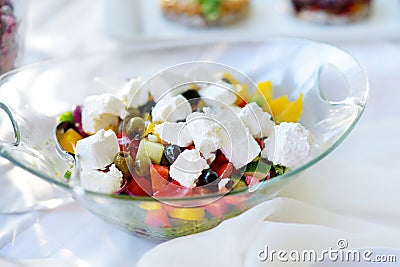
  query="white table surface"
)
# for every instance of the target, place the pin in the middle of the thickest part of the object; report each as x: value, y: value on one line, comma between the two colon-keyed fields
x: 70, y: 233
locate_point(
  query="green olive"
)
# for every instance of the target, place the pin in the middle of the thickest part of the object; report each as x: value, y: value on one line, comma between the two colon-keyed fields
x: 122, y: 160
x: 135, y: 128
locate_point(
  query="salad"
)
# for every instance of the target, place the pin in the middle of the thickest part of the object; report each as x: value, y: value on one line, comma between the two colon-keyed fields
x: 202, y: 138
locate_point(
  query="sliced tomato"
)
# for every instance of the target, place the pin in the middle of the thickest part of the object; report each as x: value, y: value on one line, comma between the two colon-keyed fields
x: 159, y: 177
x: 157, y: 218
x: 241, y: 103
x: 163, y: 171
x: 139, y: 186
x: 219, y: 160
x: 173, y: 190
x: 260, y: 142
x: 225, y: 170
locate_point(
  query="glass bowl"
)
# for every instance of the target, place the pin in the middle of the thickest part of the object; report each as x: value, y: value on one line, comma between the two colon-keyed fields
x: 334, y: 86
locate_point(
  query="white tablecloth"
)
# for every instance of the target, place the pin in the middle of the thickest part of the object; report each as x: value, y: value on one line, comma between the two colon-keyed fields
x: 69, y: 235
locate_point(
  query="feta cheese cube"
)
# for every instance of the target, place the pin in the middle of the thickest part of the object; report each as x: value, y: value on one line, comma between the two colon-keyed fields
x: 102, y: 182
x: 218, y: 93
x: 171, y: 109
x: 132, y: 95
x: 187, y: 167
x: 174, y: 133
x: 259, y: 122
x: 288, y: 145
x: 98, y: 150
x: 204, y: 130
x: 238, y: 146
x: 101, y: 111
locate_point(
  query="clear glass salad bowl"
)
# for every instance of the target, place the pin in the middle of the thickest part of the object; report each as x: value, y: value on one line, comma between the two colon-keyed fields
x: 334, y: 87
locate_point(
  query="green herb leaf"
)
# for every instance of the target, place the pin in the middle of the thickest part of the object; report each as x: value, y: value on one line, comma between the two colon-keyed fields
x: 211, y: 9
x: 67, y: 174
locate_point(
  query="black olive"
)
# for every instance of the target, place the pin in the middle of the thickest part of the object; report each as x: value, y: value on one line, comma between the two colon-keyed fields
x: 206, y: 177
x: 171, y: 152
x: 146, y: 108
x: 192, y: 96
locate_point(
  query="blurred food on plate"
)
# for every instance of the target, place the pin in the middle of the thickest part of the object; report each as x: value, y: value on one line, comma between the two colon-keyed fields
x: 200, y: 13
x: 332, y: 11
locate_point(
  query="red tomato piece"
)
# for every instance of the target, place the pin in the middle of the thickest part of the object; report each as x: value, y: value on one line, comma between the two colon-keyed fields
x: 225, y: 170
x: 260, y: 143
x: 241, y: 103
x: 173, y: 190
x: 163, y: 171
x: 159, y: 177
x: 219, y: 160
x: 139, y: 186
x: 157, y: 218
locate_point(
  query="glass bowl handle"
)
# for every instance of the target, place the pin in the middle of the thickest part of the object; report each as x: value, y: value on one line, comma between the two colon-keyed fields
x: 17, y: 134
x: 343, y: 72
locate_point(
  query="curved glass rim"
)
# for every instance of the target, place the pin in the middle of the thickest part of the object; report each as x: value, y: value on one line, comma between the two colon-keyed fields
x: 195, y: 42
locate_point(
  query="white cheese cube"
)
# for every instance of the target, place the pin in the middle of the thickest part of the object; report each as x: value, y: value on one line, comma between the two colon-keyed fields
x: 187, y: 167
x: 258, y: 121
x: 132, y: 95
x: 174, y: 133
x: 171, y: 109
x: 101, y: 111
x: 204, y: 131
x: 289, y: 145
x: 215, y: 94
x: 102, y: 182
x: 98, y: 150
x: 238, y: 146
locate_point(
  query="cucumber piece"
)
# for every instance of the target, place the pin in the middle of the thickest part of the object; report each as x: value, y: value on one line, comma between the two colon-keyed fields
x: 258, y: 169
x: 238, y: 181
x: 148, y: 152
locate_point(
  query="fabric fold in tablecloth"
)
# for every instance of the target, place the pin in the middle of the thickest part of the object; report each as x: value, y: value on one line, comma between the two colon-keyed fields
x: 335, y: 203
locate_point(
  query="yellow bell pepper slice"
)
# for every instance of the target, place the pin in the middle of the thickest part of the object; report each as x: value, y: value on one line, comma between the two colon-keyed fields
x: 281, y: 108
x: 69, y: 139
x: 285, y: 111
x: 150, y: 130
x: 189, y: 214
x: 150, y: 205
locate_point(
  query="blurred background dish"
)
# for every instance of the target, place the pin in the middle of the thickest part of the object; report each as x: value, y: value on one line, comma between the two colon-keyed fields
x: 332, y: 11
x: 12, y: 14
x: 202, y: 13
